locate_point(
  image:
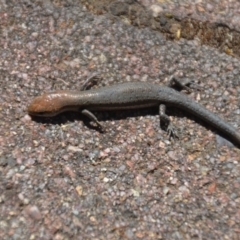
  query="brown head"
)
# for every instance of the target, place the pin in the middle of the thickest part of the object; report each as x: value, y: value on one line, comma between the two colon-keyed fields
x: 46, y: 105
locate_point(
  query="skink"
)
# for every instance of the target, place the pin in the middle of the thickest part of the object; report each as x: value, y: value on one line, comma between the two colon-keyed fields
x: 130, y: 95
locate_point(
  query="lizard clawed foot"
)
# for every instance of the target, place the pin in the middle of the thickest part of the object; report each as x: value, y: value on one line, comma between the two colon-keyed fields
x: 184, y: 83
x: 172, y: 133
x: 100, y: 127
x: 92, y: 80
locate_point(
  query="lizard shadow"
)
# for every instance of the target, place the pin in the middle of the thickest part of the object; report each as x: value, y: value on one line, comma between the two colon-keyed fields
x: 103, y: 116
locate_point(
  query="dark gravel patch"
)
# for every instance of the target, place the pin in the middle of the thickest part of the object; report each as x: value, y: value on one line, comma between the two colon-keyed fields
x: 60, y: 179
x: 210, y: 22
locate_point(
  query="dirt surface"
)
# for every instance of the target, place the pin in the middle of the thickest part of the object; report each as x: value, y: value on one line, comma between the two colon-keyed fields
x: 60, y: 178
x: 188, y: 21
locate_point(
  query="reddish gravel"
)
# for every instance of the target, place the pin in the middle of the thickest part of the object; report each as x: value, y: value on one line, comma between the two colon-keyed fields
x: 62, y: 179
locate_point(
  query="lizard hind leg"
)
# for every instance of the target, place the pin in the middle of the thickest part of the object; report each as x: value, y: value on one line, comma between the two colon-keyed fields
x: 164, y: 118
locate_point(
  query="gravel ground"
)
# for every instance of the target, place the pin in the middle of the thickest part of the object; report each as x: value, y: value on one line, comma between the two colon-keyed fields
x: 60, y: 178
x: 180, y: 20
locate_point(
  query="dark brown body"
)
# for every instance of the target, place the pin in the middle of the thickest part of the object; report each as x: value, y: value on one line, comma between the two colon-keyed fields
x: 126, y: 96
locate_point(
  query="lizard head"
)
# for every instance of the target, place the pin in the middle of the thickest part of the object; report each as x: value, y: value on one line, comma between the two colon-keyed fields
x: 46, y: 105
